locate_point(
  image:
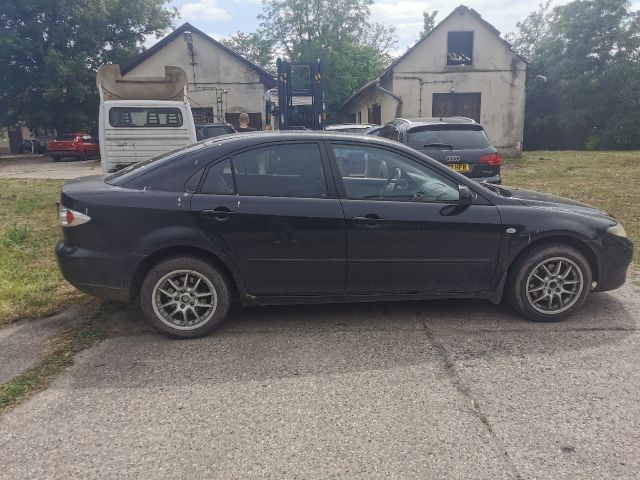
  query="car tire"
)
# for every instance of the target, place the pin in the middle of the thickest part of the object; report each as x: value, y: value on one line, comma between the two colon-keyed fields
x: 180, y: 310
x: 83, y: 156
x: 56, y: 158
x: 551, y: 270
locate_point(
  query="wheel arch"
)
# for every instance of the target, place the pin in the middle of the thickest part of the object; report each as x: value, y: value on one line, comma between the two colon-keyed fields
x: 580, y: 245
x: 233, y: 277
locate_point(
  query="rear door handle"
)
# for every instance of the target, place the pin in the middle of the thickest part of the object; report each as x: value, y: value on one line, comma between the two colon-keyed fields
x: 370, y: 219
x: 220, y: 214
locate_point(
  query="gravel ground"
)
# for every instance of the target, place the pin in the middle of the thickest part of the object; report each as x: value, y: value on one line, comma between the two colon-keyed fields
x: 42, y: 166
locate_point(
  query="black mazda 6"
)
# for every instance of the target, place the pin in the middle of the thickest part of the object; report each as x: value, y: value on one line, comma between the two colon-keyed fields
x: 274, y: 218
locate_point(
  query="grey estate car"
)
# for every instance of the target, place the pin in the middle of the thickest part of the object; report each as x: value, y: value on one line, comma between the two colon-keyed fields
x: 458, y: 142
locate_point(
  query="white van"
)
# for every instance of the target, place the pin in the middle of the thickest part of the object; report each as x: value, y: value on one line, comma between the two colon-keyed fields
x: 141, y: 118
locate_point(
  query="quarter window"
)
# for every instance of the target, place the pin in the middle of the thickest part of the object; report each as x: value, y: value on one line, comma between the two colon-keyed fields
x: 139, y: 117
x: 293, y: 170
x: 377, y: 174
x: 219, y: 179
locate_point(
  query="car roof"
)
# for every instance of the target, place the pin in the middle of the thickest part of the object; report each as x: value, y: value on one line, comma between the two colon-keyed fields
x: 213, y: 124
x: 418, y: 124
x: 233, y: 142
x: 337, y: 126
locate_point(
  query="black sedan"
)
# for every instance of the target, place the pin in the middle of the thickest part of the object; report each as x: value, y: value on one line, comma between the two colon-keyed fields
x: 305, y: 217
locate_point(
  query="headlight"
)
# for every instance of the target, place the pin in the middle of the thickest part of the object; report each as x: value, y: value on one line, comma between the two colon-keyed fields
x: 617, y: 230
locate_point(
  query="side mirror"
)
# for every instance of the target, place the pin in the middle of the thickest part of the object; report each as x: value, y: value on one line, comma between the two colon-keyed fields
x: 465, y: 196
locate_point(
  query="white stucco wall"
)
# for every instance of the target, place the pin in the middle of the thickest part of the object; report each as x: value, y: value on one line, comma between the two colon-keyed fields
x: 497, y: 74
x: 214, y: 69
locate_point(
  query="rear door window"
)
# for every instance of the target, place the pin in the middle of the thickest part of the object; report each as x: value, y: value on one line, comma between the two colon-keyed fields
x: 439, y: 139
x: 292, y: 170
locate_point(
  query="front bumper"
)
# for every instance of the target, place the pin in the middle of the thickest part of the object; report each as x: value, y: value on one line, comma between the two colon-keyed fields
x: 612, y: 272
x: 99, y: 274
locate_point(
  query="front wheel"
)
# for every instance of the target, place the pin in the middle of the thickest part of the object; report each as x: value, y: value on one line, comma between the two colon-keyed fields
x: 184, y: 297
x: 549, y: 282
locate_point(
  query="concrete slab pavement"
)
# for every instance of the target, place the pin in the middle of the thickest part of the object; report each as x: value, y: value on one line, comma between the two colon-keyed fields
x: 442, y: 389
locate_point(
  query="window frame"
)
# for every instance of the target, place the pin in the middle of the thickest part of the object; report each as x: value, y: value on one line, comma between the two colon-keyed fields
x: 177, y: 110
x: 327, y: 171
x: 342, y: 193
x: 473, y: 50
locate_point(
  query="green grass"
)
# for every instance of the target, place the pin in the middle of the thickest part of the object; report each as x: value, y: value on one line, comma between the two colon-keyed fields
x: 607, y: 180
x: 30, y: 282
x: 61, y: 349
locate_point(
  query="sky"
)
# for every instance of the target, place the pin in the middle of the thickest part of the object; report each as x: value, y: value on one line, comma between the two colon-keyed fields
x: 221, y: 18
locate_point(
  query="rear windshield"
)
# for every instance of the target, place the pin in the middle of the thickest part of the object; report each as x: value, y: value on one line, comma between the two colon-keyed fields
x: 66, y: 136
x: 122, y: 177
x: 211, y: 131
x: 459, y: 139
x: 144, y: 117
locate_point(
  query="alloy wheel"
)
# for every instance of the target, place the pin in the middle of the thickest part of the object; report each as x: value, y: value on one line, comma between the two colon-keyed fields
x: 554, y: 285
x: 184, y: 299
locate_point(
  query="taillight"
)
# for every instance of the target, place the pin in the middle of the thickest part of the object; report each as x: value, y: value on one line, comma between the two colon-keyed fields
x: 492, y: 159
x: 71, y: 218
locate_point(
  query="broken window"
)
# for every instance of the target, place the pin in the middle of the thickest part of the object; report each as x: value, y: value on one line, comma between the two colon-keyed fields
x: 460, y: 48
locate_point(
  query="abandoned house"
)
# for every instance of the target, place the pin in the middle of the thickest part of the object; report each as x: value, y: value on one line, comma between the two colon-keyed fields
x: 222, y: 83
x: 461, y: 68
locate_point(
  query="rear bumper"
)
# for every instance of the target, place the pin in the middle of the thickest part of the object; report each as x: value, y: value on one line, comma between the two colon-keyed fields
x: 65, y: 153
x: 98, y: 274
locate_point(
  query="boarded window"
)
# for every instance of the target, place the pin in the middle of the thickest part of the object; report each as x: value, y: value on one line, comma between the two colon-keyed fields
x: 457, y: 105
x: 460, y: 48
x: 203, y: 115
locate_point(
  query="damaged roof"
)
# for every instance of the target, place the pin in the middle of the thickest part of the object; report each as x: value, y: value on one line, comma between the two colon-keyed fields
x: 388, y: 71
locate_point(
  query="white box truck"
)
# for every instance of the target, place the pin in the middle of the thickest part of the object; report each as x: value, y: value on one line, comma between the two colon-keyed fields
x: 142, y: 117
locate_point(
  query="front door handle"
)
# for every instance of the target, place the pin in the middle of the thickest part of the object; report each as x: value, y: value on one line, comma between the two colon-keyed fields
x: 220, y: 214
x: 370, y: 219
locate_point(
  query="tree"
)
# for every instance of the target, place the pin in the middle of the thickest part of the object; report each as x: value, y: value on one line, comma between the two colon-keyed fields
x: 531, y: 31
x: 589, y: 52
x: 429, y: 20
x: 254, y: 47
x: 51, y: 50
x: 339, y: 33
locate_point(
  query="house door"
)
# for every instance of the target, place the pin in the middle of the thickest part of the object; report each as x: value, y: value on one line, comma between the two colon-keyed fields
x: 456, y: 105
x: 374, y: 115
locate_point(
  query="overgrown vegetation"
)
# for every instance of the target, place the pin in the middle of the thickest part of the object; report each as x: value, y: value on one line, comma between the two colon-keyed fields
x: 588, y: 51
x: 607, y: 180
x: 30, y: 282
x: 61, y: 349
x: 50, y: 51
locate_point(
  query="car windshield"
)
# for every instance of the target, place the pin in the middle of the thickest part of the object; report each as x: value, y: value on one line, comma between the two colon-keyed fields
x: 121, y: 177
x: 459, y: 139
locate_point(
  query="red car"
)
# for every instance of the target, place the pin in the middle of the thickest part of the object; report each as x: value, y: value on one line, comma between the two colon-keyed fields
x: 80, y: 145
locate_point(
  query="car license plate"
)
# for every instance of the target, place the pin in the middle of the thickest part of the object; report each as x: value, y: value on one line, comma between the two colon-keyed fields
x: 459, y: 167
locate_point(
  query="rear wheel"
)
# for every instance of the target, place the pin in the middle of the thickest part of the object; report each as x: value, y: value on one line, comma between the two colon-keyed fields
x: 185, y: 297
x: 56, y: 158
x: 83, y: 156
x: 549, y: 282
